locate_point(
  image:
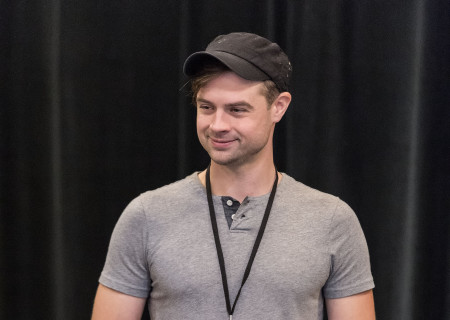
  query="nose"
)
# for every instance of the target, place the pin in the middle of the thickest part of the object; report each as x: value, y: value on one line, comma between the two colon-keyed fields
x: 220, y: 122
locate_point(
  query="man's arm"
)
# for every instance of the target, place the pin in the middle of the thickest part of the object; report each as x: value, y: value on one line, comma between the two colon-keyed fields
x: 111, y: 305
x: 357, y: 307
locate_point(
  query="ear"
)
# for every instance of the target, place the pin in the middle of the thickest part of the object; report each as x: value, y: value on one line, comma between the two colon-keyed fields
x: 280, y: 105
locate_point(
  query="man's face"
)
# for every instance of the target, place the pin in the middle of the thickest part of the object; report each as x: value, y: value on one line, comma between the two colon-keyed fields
x: 234, y: 123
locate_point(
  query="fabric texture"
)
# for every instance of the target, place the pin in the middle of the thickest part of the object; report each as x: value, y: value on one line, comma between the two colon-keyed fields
x: 163, y: 246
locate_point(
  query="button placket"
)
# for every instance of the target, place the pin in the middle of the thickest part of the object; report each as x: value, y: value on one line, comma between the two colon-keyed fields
x: 230, y: 207
x: 240, y: 216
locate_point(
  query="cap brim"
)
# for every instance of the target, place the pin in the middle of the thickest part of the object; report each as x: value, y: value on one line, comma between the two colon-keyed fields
x: 241, y: 67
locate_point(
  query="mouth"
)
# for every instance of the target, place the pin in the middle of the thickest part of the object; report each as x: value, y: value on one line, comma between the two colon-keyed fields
x: 221, y: 143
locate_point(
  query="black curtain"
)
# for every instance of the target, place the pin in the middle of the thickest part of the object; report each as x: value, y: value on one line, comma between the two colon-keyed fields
x: 92, y: 115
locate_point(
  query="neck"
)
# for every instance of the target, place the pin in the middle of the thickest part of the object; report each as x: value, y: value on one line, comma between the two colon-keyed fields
x: 241, y: 182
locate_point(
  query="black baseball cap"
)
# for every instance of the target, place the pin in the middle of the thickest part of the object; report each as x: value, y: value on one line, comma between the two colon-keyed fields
x: 249, y: 55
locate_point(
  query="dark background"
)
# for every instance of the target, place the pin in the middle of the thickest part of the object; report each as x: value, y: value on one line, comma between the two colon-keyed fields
x: 91, y: 115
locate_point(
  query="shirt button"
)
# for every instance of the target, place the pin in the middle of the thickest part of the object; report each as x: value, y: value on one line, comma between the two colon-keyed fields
x: 229, y: 203
x: 232, y: 216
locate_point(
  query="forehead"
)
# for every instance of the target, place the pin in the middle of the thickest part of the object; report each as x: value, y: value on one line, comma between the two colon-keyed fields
x: 231, y: 85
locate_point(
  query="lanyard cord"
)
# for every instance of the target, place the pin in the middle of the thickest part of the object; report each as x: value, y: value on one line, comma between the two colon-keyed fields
x: 219, y: 247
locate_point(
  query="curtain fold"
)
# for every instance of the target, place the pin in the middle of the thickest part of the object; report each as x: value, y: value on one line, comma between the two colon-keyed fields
x: 94, y: 110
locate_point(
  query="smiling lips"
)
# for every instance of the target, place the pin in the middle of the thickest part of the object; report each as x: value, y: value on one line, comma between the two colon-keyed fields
x: 221, y: 143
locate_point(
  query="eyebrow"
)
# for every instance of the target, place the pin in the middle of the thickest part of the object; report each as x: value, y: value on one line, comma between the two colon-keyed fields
x: 229, y: 105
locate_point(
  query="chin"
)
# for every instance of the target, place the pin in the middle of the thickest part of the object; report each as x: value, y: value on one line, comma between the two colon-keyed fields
x: 228, y: 160
x: 223, y: 162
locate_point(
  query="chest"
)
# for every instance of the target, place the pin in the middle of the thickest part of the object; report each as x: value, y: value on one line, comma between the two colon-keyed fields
x: 292, y: 260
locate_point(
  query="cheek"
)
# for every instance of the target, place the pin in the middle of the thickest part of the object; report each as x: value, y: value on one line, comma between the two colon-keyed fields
x: 257, y: 125
x: 201, y: 124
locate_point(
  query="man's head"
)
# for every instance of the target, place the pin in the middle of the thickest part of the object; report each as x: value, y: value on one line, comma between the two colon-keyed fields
x: 239, y: 86
x: 250, y: 56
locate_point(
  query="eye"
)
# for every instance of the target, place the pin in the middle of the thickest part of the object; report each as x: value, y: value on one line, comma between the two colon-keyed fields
x: 238, y: 110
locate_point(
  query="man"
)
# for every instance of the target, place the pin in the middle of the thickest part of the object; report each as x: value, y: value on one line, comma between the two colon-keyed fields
x: 239, y: 239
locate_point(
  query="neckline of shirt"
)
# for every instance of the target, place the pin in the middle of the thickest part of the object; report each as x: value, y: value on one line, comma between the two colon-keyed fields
x: 280, y: 188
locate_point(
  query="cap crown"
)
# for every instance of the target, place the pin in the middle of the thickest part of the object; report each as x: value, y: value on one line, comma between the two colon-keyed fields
x: 249, y: 55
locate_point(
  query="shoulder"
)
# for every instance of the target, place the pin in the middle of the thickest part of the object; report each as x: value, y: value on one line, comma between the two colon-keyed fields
x: 297, y: 194
x: 178, y: 196
x: 322, y: 211
x: 317, y: 208
x: 174, y: 191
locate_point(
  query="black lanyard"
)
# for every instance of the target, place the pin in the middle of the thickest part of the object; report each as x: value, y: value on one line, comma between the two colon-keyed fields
x: 219, y: 247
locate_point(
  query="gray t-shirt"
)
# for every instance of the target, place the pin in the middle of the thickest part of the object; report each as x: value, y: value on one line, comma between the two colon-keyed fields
x: 163, y: 246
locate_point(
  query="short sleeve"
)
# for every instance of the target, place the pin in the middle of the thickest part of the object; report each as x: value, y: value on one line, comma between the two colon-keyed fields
x: 126, y: 267
x: 350, y: 263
